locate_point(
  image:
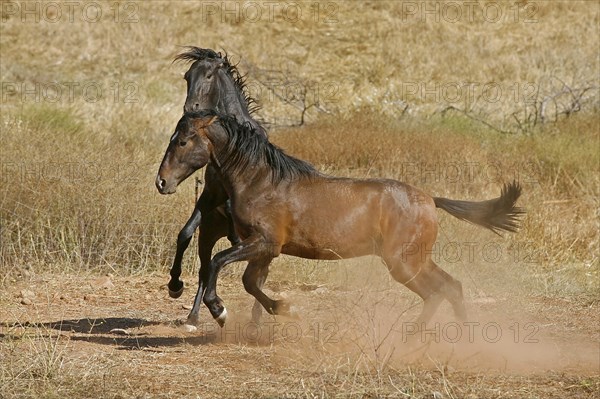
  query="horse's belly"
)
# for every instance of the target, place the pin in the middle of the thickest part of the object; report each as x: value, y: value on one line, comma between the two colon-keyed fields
x: 329, y: 225
x: 329, y: 252
x: 308, y: 253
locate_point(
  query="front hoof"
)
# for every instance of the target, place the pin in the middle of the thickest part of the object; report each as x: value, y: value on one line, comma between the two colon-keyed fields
x: 188, y: 328
x: 222, y: 317
x: 193, y: 319
x: 175, y: 290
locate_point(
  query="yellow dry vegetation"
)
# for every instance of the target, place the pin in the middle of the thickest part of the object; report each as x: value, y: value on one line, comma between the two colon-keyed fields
x: 454, y: 97
x: 446, y: 96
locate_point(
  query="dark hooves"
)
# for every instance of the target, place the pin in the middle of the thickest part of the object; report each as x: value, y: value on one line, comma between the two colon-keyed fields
x: 177, y: 291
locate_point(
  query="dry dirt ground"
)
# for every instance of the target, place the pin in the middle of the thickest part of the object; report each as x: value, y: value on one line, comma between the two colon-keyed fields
x: 113, y: 337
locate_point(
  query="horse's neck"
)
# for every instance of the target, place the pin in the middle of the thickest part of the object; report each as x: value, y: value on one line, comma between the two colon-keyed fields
x: 231, y: 105
x: 234, y: 103
x: 236, y: 182
x: 245, y: 183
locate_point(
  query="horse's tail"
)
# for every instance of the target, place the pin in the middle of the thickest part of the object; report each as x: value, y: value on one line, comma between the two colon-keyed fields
x: 497, y: 214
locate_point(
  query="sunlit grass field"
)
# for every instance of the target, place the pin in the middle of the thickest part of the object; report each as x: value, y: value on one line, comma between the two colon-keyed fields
x: 452, y: 99
x: 88, y: 107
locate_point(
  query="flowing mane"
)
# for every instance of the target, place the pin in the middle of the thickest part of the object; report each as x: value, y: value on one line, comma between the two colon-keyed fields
x: 194, y: 54
x: 245, y: 147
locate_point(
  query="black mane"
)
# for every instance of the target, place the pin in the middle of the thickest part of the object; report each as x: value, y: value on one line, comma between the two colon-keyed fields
x: 196, y: 53
x: 245, y: 147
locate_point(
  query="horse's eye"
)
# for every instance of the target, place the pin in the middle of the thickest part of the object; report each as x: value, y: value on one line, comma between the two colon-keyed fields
x: 182, y: 143
x: 209, y: 76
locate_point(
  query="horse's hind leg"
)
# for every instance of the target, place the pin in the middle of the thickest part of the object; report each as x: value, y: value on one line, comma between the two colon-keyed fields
x: 452, y: 291
x: 231, y: 234
x: 428, y: 281
x: 253, y: 279
x: 430, y: 305
x: 253, y: 249
x: 213, y: 227
x: 447, y: 288
x: 260, y: 282
x: 212, y: 195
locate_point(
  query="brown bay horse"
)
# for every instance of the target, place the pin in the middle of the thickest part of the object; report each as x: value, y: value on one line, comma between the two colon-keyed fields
x: 282, y: 205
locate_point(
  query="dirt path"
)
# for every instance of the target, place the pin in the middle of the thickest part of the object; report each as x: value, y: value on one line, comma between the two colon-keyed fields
x: 120, y: 337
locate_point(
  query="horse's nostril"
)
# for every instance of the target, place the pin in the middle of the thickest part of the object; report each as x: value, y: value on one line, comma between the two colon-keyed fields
x: 160, y: 183
x: 196, y: 107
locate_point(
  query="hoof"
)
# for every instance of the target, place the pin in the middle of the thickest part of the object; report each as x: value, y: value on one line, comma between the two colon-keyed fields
x: 222, y: 317
x: 176, y: 293
x: 188, y: 328
x: 281, y: 308
x: 192, y: 319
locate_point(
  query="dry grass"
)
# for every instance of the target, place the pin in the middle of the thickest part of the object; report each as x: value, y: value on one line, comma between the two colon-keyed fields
x: 80, y: 202
x: 377, y: 86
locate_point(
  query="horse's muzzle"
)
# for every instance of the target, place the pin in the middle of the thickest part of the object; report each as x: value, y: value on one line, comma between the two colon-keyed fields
x: 163, y: 187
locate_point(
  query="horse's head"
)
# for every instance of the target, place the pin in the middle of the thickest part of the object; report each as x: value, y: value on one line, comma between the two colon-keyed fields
x: 206, y: 79
x: 188, y: 150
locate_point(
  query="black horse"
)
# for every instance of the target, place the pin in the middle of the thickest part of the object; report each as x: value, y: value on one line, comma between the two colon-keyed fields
x: 212, y: 83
